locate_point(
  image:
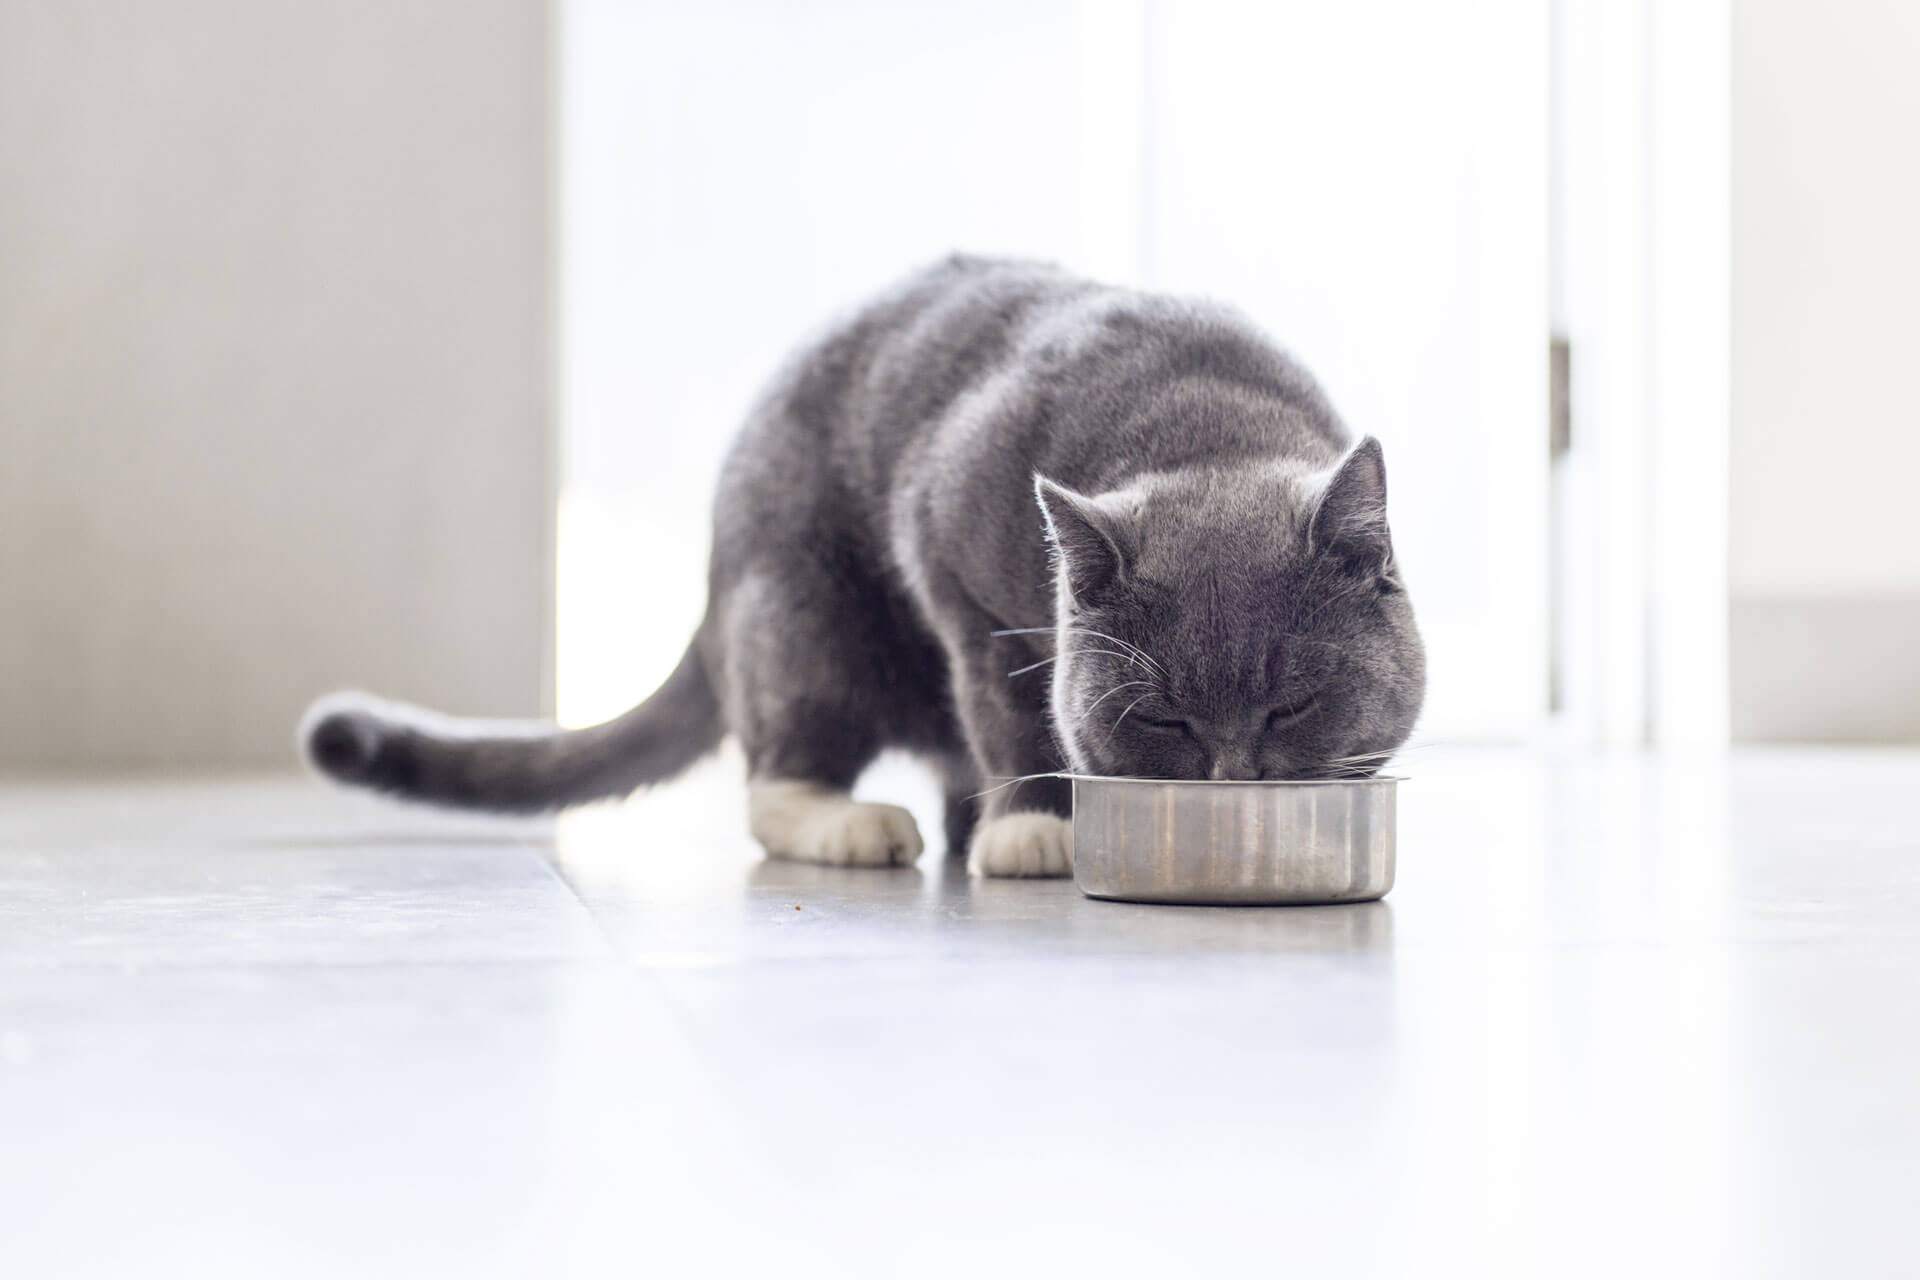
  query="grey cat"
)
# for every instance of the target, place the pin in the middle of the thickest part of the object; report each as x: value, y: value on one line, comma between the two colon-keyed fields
x: 1018, y: 523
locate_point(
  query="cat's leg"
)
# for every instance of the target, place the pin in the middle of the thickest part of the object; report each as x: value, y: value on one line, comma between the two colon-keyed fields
x: 960, y: 789
x: 807, y: 705
x: 1025, y: 823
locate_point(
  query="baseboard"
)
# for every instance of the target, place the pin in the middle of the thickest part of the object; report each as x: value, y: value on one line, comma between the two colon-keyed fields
x: 1825, y: 669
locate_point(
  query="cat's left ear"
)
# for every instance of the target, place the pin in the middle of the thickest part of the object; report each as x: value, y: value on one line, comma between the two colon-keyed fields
x: 1351, y: 519
x: 1086, y: 536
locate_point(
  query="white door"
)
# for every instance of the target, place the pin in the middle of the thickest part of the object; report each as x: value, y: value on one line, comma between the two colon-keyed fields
x: 1367, y: 180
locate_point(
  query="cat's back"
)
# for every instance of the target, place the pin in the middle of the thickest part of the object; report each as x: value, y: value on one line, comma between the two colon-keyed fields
x: 812, y: 461
x: 894, y: 366
x: 1008, y: 365
x: 852, y: 396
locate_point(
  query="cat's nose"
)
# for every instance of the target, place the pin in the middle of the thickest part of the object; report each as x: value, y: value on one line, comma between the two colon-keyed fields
x: 1233, y: 766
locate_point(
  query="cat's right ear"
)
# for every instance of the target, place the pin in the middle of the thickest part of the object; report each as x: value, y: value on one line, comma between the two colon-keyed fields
x: 1351, y: 519
x: 1087, y: 538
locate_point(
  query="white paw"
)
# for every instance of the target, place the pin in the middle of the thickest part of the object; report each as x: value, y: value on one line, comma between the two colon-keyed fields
x: 1022, y: 844
x: 806, y: 823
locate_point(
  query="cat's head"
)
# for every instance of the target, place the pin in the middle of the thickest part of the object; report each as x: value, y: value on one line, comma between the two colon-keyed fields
x: 1233, y: 623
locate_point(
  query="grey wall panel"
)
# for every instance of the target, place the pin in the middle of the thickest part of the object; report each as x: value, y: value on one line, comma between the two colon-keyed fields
x: 1825, y: 669
x: 274, y: 369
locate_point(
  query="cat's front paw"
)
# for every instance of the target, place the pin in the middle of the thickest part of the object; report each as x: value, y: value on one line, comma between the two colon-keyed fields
x: 806, y: 823
x: 1022, y: 844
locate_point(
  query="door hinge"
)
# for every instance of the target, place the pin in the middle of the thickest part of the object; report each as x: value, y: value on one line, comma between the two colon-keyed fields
x: 1559, y: 399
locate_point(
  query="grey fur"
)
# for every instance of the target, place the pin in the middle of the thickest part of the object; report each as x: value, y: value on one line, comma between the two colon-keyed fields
x: 1143, y: 488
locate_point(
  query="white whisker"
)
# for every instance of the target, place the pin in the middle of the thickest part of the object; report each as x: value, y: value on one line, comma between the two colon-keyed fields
x: 1128, y: 645
x: 1132, y: 652
x: 1074, y: 653
x: 1014, y: 782
x: 1381, y: 757
x: 1123, y: 715
x: 1129, y: 684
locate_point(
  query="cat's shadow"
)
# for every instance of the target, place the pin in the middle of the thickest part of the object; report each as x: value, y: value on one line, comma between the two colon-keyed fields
x: 838, y: 882
x: 939, y: 890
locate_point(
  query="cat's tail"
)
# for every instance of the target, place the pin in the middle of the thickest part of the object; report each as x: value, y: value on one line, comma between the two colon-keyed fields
x: 512, y: 766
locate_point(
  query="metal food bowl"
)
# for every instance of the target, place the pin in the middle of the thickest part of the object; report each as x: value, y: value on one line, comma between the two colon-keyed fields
x: 1228, y: 843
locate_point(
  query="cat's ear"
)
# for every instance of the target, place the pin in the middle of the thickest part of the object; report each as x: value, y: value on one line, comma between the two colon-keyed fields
x: 1350, y: 521
x: 1087, y: 536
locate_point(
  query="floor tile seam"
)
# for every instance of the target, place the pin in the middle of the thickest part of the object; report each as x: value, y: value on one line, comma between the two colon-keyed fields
x: 545, y: 856
x: 611, y: 965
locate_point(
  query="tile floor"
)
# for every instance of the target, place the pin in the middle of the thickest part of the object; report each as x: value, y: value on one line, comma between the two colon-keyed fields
x: 1620, y: 1017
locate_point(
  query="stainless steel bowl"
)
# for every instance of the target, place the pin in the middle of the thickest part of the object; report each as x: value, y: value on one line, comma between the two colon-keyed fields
x: 1141, y: 840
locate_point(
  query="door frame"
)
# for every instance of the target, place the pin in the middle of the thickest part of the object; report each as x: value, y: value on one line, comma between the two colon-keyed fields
x: 1641, y: 249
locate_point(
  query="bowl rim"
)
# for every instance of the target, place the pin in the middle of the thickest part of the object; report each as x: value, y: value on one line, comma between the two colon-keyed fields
x: 1271, y: 784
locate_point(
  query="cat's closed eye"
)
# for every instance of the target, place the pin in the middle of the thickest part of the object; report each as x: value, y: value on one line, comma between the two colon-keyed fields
x: 1171, y: 725
x: 1294, y: 709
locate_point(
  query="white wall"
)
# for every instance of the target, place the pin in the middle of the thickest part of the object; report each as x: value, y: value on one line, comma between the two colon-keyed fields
x: 1825, y: 548
x: 273, y: 369
x: 1367, y: 181
x: 1826, y: 297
